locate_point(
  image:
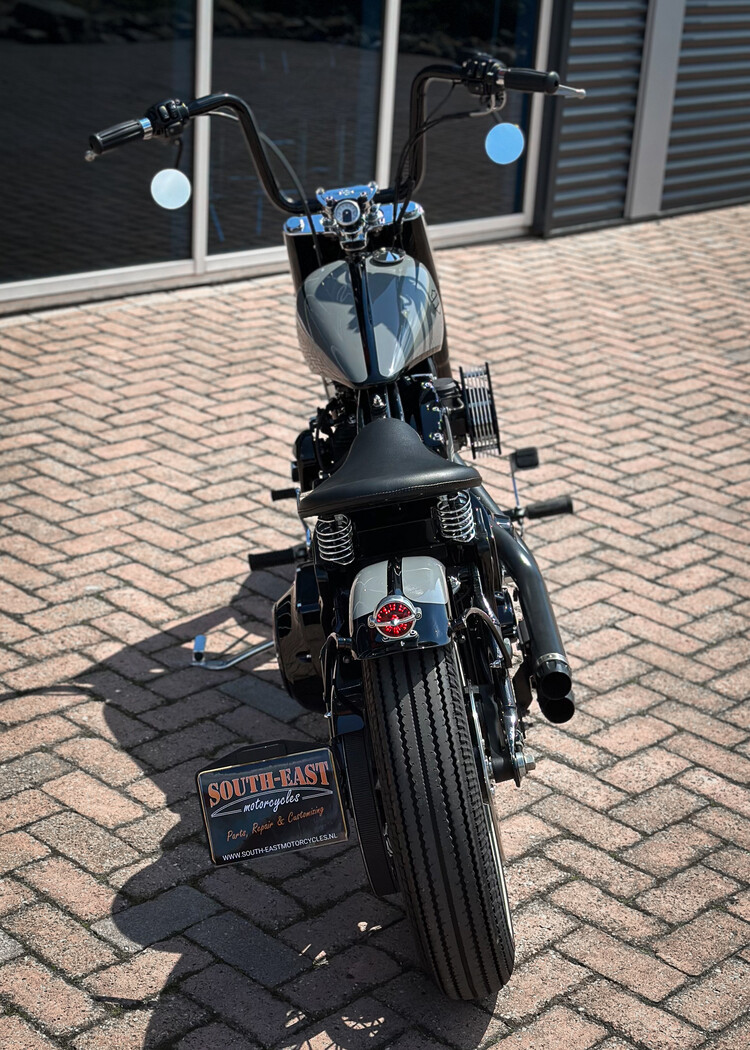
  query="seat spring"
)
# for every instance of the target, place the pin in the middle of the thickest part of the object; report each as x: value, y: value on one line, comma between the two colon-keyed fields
x: 457, y: 517
x: 335, y: 539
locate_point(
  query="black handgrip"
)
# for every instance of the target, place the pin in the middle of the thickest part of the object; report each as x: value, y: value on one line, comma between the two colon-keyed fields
x: 547, y: 508
x: 269, y: 559
x: 531, y: 80
x: 117, y: 135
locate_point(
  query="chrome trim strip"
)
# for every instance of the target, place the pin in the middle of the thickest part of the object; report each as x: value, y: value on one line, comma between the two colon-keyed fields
x: 204, y: 16
x: 533, y: 148
x: 386, y: 109
x: 147, y: 127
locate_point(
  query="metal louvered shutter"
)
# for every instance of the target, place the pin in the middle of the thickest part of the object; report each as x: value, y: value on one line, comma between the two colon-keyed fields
x: 604, y: 56
x: 709, y: 145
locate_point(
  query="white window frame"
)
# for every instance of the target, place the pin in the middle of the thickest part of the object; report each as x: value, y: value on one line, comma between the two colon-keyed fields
x: 203, y: 268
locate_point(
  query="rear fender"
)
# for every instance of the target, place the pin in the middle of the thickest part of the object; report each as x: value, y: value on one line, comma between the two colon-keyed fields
x: 423, y: 582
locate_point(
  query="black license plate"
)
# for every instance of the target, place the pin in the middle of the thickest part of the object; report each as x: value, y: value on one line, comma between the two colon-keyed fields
x: 271, y: 805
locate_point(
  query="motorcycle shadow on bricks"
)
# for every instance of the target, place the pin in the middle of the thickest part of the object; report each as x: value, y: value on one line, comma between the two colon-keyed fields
x: 291, y: 952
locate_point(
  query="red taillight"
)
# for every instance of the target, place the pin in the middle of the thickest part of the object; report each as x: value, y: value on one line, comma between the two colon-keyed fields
x: 394, y: 618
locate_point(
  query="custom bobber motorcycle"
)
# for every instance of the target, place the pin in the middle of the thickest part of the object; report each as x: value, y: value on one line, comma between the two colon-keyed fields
x: 418, y: 623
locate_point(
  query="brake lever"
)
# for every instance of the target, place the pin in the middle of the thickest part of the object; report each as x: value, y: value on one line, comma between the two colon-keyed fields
x: 570, y: 92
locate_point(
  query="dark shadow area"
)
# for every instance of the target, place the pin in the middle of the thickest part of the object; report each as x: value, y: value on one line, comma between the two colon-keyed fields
x: 298, y: 944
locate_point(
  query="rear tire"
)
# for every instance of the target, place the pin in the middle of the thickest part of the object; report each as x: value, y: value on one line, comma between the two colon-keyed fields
x: 446, y: 857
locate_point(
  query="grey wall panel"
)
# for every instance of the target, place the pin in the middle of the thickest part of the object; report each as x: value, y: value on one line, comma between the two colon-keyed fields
x: 593, y: 159
x: 709, y: 146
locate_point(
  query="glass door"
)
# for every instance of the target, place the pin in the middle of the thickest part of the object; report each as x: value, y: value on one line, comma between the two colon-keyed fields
x: 310, y: 70
x: 461, y: 181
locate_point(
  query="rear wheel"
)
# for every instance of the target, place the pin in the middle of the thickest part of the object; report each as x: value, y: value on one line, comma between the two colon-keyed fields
x: 439, y: 820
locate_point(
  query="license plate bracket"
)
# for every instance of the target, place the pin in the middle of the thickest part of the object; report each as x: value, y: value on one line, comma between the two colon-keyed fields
x: 270, y: 798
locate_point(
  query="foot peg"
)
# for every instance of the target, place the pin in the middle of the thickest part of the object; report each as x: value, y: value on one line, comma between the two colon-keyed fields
x: 223, y: 663
x: 277, y: 494
x: 269, y: 559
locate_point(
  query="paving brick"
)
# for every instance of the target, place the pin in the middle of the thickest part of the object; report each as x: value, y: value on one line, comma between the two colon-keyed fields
x: 539, y: 925
x: 243, y: 945
x: 166, y: 827
x: 145, y: 924
x: 269, y: 907
x: 591, y: 903
x: 523, y: 832
x: 610, y: 874
x: 736, y: 1038
x: 183, y: 863
x: 366, y: 1023
x: 700, y: 944
x: 587, y: 823
x: 581, y: 786
x: 634, y: 969
x: 710, y: 756
x: 215, y: 1035
x: 732, y: 862
x: 718, y: 999
x: 9, y: 949
x: 684, y: 895
x: 25, y: 808
x: 153, y: 1026
x: 644, y: 770
x: 337, y: 979
x: 718, y: 789
x: 29, y: 737
x: 457, y: 1023
x: 535, y: 984
x: 111, y: 519
x: 657, y: 808
x: 102, y: 759
x: 632, y: 734
x: 545, y: 1032
x: 13, y: 895
x: 727, y: 825
x: 269, y: 1016
x: 47, y: 999
x: 628, y: 1015
x: 330, y: 881
x: 89, y: 797
x: 71, y: 887
x: 83, y: 841
x: 148, y: 973
x: 16, y: 1033
x: 17, y: 848
x: 669, y: 851
x: 60, y: 940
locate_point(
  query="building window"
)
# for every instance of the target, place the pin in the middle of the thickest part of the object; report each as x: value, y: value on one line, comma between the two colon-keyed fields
x: 310, y: 70
x: 70, y: 69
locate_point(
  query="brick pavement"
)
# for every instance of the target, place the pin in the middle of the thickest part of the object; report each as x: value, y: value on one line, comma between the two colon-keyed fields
x: 139, y: 440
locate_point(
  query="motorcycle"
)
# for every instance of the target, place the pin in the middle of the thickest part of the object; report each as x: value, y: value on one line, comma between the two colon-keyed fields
x: 417, y: 623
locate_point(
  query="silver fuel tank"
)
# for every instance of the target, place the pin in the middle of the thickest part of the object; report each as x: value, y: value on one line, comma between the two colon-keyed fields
x: 364, y: 321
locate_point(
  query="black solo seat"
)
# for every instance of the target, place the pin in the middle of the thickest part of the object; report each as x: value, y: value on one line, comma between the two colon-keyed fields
x: 386, y: 464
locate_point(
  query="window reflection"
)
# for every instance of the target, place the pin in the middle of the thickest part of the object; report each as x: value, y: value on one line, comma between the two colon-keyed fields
x: 310, y: 70
x: 68, y: 69
x: 461, y: 182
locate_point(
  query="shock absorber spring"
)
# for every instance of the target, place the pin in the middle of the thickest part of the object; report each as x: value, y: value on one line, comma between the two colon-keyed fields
x: 457, y: 517
x: 335, y: 539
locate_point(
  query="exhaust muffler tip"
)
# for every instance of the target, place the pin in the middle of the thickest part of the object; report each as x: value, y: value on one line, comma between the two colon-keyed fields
x: 559, y: 710
x: 553, y: 677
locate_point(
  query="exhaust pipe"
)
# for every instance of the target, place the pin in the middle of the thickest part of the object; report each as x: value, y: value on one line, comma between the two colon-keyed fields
x: 549, y: 665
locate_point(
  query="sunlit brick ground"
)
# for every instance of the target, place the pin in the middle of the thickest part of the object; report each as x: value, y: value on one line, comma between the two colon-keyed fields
x: 139, y: 441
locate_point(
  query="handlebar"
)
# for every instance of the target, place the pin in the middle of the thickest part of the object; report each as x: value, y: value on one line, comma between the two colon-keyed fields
x: 119, y: 135
x: 481, y: 75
